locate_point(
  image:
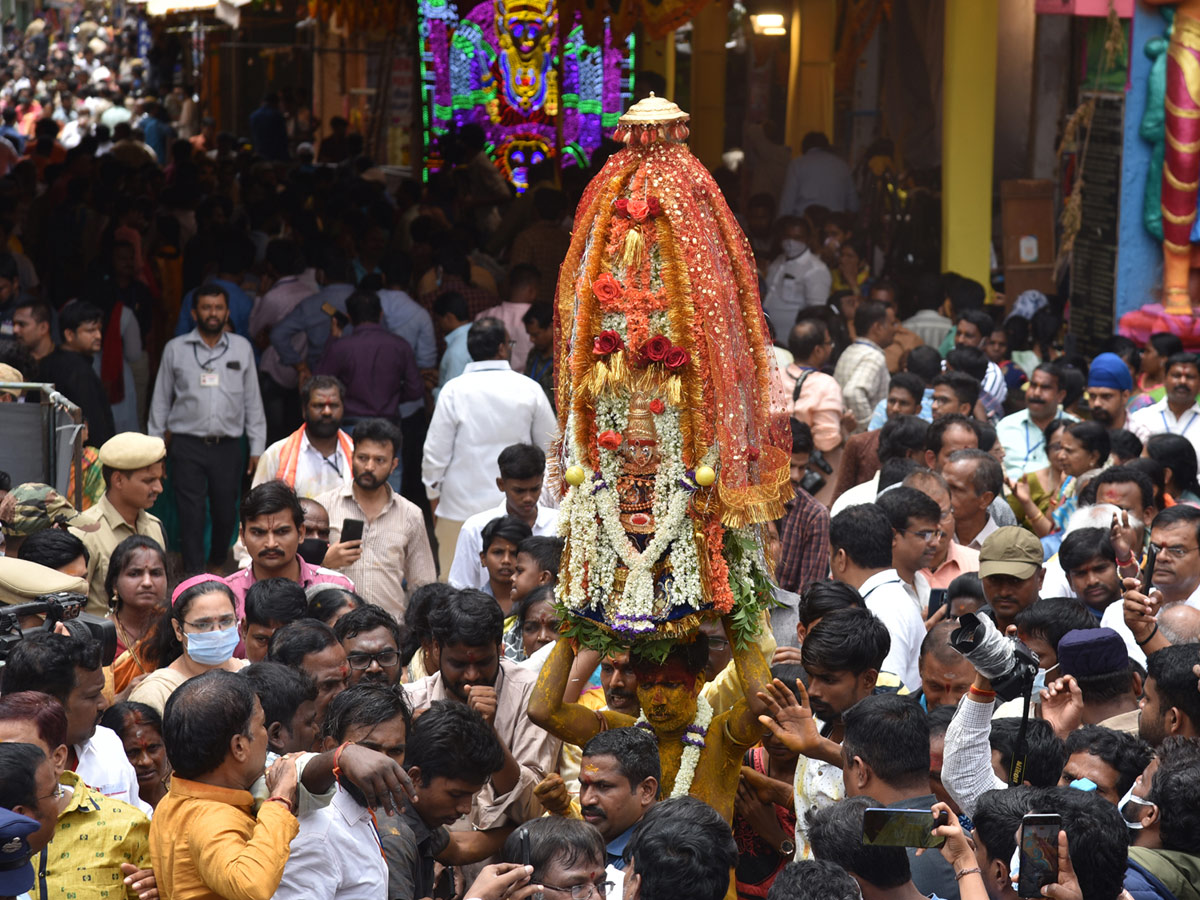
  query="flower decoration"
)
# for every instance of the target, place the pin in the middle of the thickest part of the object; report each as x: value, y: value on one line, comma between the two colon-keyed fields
x: 693, y: 743
x: 607, y: 343
x: 638, y: 210
x: 657, y: 406
x: 656, y: 349
x: 609, y: 439
x: 607, y: 289
x: 677, y: 358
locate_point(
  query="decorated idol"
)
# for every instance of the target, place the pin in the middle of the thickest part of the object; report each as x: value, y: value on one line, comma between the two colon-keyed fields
x: 674, y: 449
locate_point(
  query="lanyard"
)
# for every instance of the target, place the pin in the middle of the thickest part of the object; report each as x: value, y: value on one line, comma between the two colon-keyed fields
x: 1163, y: 413
x: 537, y: 371
x: 878, y: 586
x: 208, y: 363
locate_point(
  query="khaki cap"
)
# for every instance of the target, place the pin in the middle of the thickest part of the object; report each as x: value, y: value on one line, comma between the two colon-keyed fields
x: 131, y: 450
x: 21, y: 581
x: 1011, y: 550
x: 8, y: 373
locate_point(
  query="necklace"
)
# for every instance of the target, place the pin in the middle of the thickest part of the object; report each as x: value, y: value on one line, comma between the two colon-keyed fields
x: 130, y: 644
x: 693, y: 744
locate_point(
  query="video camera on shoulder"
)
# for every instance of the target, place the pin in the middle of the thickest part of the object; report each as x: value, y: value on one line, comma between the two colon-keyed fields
x: 64, y: 607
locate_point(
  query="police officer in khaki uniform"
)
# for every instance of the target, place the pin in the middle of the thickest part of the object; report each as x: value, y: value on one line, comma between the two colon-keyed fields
x: 133, y: 470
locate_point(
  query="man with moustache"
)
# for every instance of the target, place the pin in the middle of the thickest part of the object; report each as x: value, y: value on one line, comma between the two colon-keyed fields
x: 1177, y: 411
x: 1109, y: 386
x: 316, y: 457
x: 1010, y: 567
x: 1022, y: 433
x: 394, y: 556
x: 133, y: 469
x: 206, y: 398
x: 272, y: 521
x: 618, y: 783
x: 950, y: 558
x: 1175, y: 536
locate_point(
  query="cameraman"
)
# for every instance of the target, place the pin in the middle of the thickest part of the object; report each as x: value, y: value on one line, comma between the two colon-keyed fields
x: 69, y: 670
x: 804, y: 529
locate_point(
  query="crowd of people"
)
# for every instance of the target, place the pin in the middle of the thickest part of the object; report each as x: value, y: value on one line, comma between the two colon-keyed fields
x: 318, y: 516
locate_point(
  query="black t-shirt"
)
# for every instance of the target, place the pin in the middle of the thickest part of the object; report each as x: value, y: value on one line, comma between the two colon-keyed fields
x: 74, y: 377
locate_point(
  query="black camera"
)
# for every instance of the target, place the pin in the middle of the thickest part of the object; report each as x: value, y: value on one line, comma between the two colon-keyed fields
x: 63, y: 607
x: 812, y: 482
x: 818, y: 459
x: 1006, y: 662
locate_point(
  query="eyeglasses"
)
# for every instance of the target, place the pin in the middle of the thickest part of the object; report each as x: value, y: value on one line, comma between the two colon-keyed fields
x: 927, y: 536
x: 947, y: 513
x: 583, y: 891
x: 54, y: 794
x: 222, y: 624
x: 1175, y: 551
x: 385, y: 658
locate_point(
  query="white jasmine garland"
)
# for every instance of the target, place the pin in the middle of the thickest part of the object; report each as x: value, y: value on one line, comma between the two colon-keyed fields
x: 693, y: 745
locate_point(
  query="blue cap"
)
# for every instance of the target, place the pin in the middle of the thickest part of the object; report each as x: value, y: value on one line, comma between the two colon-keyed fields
x: 16, y: 872
x: 1092, y: 651
x: 1109, y: 371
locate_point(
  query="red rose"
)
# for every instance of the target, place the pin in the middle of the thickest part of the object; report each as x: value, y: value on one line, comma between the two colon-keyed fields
x: 607, y: 342
x: 677, y: 357
x: 654, y: 206
x: 657, y: 406
x: 606, y: 288
x: 638, y: 210
x: 622, y: 206
x: 656, y: 349
x: 610, y: 440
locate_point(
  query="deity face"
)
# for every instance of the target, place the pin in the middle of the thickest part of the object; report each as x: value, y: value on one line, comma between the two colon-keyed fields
x: 524, y: 29
x: 668, y: 694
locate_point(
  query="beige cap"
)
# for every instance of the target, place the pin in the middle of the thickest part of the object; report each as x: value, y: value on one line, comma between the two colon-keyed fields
x: 8, y: 373
x: 1011, y: 550
x: 131, y: 450
x: 21, y: 581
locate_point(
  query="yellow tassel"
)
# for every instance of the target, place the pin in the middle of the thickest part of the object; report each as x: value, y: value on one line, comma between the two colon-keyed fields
x: 673, y: 388
x: 631, y: 256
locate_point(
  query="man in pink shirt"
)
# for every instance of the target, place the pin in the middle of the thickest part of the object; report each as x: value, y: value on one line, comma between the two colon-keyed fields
x: 952, y: 558
x: 814, y: 397
x: 272, y: 522
x: 523, y: 283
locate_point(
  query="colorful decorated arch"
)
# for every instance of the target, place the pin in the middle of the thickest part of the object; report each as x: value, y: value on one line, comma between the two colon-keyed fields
x: 498, y: 67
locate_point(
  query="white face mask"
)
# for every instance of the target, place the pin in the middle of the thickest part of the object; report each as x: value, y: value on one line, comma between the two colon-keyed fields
x: 792, y: 248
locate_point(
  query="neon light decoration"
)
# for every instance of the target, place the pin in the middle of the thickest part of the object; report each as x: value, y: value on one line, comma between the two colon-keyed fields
x: 496, y: 67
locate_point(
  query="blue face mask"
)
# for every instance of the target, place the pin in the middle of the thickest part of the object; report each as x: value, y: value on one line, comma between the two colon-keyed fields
x: 212, y: 648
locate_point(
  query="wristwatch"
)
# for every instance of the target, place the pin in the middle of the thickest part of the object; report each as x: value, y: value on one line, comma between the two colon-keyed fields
x: 787, y: 848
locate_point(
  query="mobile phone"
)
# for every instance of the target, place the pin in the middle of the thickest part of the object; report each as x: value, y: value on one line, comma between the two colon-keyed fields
x: 1148, y: 576
x: 1039, y: 853
x: 525, y: 847
x: 901, y: 827
x: 332, y: 311
x: 937, y: 599
x: 352, y: 530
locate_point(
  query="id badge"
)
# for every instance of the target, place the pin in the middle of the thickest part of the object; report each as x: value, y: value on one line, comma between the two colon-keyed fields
x: 209, y: 379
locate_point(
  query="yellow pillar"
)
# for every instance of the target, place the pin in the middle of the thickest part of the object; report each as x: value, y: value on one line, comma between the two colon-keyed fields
x: 709, y: 30
x: 968, y: 133
x: 659, y: 56
x: 811, y: 35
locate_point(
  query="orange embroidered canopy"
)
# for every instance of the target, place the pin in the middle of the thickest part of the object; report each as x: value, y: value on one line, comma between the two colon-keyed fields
x: 675, y: 441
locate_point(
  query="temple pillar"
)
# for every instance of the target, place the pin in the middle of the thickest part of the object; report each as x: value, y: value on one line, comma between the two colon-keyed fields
x: 968, y: 137
x: 710, y: 30
x: 811, y: 32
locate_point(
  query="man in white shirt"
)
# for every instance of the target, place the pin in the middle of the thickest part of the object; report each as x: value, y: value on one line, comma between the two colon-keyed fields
x: 522, y: 473
x: 337, y: 854
x: 1176, y: 413
x: 317, y: 456
x: 1176, y: 532
x: 916, y: 534
x: 818, y: 176
x: 929, y: 324
x: 797, y: 279
x: 69, y: 670
x: 860, y: 540
x: 485, y: 409
x: 862, y: 368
